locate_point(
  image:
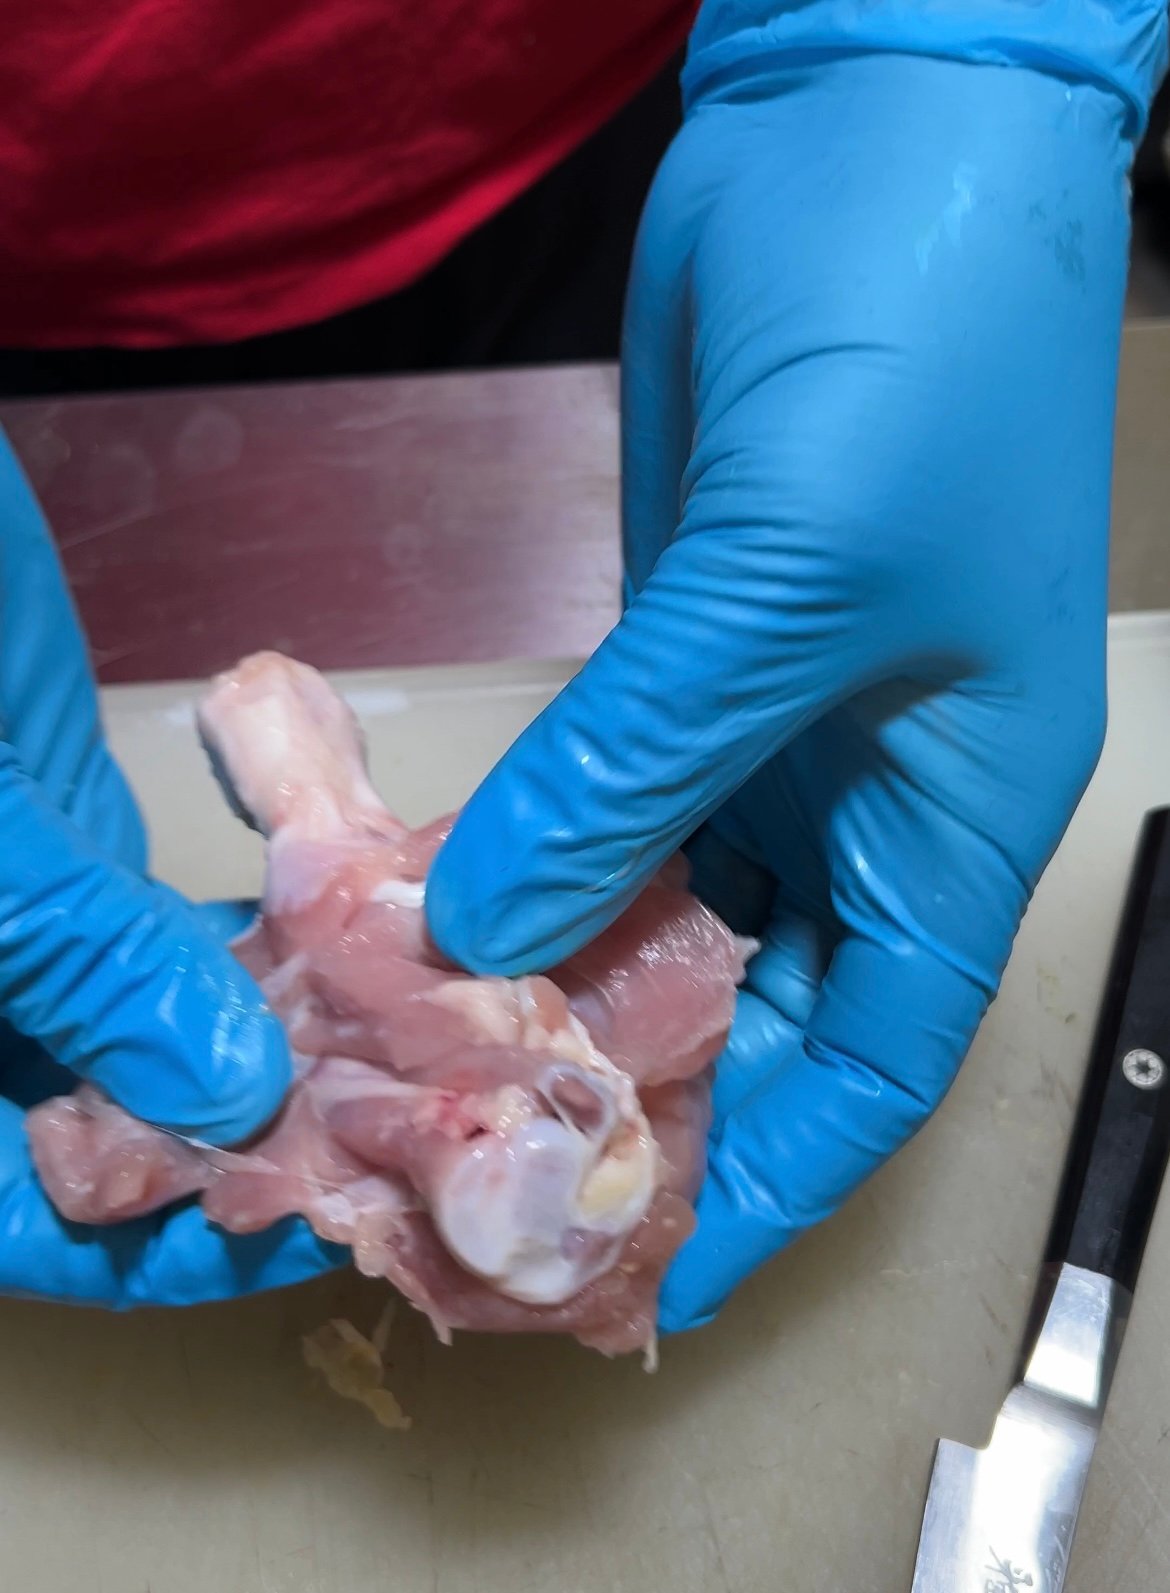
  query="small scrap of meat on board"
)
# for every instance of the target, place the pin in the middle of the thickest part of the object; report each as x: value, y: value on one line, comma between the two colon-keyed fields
x: 514, y: 1155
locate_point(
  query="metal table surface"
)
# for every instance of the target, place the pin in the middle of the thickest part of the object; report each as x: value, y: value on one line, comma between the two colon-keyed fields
x: 403, y: 521
x: 351, y: 523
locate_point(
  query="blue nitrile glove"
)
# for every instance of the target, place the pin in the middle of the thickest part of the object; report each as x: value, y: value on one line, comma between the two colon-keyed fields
x: 107, y: 976
x: 868, y: 385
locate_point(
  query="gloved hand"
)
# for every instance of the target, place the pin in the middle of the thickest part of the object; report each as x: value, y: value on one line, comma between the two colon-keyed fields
x: 868, y: 383
x: 107, y: 976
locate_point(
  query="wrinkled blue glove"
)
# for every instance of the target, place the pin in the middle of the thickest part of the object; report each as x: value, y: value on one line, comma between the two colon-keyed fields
x: 108, y: 977
x: 870, y: 358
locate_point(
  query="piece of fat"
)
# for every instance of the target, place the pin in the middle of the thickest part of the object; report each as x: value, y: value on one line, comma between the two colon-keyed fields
x: 353, y: 1367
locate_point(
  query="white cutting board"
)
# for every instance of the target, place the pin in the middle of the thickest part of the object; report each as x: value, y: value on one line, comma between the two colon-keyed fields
x: 785, y: 1450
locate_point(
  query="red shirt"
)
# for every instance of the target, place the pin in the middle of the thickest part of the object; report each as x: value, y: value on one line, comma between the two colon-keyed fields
x: 177, y: 171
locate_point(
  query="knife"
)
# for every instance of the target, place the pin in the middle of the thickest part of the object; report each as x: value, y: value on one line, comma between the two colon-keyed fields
x: 1001, y: 1519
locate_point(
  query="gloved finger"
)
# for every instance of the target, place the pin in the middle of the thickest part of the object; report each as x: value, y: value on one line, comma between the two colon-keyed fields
x: 561, y: 835
x: 788, y: 970
x: 48, y: 702
x: 28, y: 1074
x: 171, y: 1258
x: 119, y: 982
x: 763, y: 1043
x: 657, y: 417
x: 725, y: 655
x: 777, y: 596
x: 893, y: 1021
x: 783, y: 978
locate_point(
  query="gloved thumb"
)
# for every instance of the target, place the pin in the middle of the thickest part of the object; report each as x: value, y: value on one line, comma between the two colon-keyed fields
x: 120, y: 982
x: 723, y: 656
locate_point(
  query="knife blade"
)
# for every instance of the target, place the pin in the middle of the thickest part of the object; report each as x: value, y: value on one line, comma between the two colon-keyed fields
x: 1001, y: 1519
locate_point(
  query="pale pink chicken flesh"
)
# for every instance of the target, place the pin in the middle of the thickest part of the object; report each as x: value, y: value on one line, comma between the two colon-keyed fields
x: 512, y: 1154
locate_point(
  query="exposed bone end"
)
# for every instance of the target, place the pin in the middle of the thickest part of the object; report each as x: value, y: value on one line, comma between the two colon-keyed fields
x: 545, y: 1207
x: 288, y: 751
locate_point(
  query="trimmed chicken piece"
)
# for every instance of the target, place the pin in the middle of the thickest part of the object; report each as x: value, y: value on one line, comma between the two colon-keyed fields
x: 514, y: 1155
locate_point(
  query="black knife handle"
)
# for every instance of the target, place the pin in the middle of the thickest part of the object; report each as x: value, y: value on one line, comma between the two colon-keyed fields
x: 1121, y: 1138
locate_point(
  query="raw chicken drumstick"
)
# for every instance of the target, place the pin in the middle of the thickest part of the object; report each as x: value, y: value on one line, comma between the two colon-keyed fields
x: 512, y: 1154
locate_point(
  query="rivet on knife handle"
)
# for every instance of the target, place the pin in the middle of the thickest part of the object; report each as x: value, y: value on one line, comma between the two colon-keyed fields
x: 1121, y: 1138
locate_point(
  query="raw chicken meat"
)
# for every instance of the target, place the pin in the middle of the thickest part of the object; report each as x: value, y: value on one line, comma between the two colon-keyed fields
x: 514, y: 1155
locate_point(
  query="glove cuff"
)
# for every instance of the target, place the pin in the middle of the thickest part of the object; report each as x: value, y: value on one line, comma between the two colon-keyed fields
x: 1118, y: 45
